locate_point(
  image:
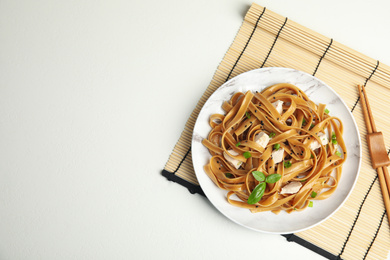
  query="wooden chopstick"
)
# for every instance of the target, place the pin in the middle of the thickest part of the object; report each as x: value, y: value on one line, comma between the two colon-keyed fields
x: 368, y: 118
x: 383, y: 173
x: 372, y: 122
x: 386, y: 172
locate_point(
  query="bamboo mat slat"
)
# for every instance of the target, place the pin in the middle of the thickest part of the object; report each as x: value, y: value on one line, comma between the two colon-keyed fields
x: 360, y: 229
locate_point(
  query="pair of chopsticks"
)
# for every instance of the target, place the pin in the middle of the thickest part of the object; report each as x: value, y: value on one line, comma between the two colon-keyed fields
x: 376, y: 146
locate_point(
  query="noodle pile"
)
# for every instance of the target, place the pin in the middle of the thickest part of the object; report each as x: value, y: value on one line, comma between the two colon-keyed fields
x: 305, y: 149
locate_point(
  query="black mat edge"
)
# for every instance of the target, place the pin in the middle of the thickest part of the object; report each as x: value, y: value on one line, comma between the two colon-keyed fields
x: 312, y: 247
x: 192, y: 188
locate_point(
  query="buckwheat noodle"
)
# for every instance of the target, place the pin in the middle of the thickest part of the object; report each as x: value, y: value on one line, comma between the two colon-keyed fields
x: 295, y: 128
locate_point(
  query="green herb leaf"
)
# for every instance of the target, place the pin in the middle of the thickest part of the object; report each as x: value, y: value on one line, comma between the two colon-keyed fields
x: 312, y: 125
x: 229, y: 175
x: 338, y: 153
x: 258, y: 175
x: 326, y: 111
x: 287, y: 164
x: 303, y: 121
x: 257, y: 193
x: 334, y: 141
x: 247, y: 155
x: 312, y: 156
x: 310, y: 204
x: 273, y: 178
x: 271, y: 135
x: 276, y: 146
x: 238, y: 144
x: 303, y: 180
x: 313, y: 194
x: 247, y: 115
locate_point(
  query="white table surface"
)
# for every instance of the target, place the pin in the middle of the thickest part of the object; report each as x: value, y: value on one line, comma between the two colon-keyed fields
x: 93, y: 97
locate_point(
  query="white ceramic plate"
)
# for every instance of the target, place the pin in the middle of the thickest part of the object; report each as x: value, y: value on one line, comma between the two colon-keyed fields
x: 319, y: 92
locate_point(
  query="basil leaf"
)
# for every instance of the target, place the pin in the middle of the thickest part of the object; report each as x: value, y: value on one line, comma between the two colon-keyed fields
x: 258, y: 175
x: 273, y: 178
x: 257, y: 193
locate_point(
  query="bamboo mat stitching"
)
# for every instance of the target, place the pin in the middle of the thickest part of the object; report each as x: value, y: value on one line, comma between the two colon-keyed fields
x: 273, y: 44
x: 323, y: 55
x: 181, y: 162
x: 246, y: 45
x: 381, y: 222
x: 376, y: 233
x: 372, y: 73
x: 357, y: 216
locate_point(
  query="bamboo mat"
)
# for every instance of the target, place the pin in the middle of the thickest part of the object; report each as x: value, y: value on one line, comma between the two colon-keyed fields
x: 360, y: 229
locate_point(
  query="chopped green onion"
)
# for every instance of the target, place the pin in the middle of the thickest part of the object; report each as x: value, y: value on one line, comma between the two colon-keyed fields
x: 312, y: 125
x: 326, y: 111
x: 334, y: 140
x: 276, y: 146
x: 303, y: 180
x: 238, y: 144
x: 258, y: 175
x: 295, y: 208
x: 312, y: 156
x: 247, y: 115
x: 287, y: 164
x: 338, y: 153
x: 310, y: 204
x: 247, y: 155
x: 271, y: 135
x: 303, y: 121
x: 313, y: 194
x: 229, y: 175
